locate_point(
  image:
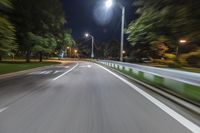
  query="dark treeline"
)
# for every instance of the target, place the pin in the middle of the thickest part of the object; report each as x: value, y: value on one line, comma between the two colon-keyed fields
x: 167, y: 30
x: 33, y: 28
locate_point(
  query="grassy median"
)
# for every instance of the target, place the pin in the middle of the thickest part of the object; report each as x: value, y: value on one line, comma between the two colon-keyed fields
x: 14, y: 66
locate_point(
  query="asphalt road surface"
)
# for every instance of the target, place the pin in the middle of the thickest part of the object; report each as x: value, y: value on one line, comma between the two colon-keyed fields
x: 83, y: 98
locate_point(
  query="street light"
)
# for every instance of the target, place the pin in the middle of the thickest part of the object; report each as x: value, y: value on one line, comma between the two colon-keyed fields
x: 76, y: 51
x: 87, y: 35
x: 109, y: 4
x: 181, y: 41
x: 69, y: 51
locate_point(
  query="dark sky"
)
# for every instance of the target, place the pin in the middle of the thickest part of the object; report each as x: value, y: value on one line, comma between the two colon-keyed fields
x: 104, y: 27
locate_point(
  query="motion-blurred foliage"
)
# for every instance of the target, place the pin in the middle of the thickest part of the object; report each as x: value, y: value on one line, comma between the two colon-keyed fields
x: 7, y: 30
x: 164, y: 21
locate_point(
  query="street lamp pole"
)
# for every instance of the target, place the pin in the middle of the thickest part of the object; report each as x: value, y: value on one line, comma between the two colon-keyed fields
x: 92, y: 37
x: 122, y: 33
x: 182, y: 41
x: 92, y: 54
x: 109, y: 4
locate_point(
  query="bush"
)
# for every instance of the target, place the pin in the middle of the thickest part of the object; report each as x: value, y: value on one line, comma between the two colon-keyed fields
x: 174, y: 65
x: 162, y: 62
x: 169, y: 56
x: 191, y: 59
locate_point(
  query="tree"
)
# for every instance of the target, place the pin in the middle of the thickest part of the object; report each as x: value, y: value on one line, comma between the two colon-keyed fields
x: 112, y: 50
x: 163, y: 22
x: 42, y: 45
x: 40, y: 17
x: 65, y: 40
x: 84, y: 47
x: 7, y: 30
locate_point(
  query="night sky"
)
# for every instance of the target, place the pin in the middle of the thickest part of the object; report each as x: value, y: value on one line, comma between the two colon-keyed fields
x: 91, y: 16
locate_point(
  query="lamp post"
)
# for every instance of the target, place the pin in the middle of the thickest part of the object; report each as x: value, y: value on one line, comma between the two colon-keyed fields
x: 182, y: 41
x: 87, y: 35
x: 109, y: 4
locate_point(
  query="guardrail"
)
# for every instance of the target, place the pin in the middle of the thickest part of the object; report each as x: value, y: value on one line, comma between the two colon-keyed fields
x: 184, y: 90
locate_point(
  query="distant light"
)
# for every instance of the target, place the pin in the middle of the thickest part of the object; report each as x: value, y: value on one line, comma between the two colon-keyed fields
x: 183, y: 41
x: 124, y: 52
x: 109, y: 3
x: 75, y: 51
x: 68, y: 47
x: 86, y: 35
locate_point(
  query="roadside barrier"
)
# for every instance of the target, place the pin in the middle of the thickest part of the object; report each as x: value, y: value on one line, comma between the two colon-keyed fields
x: 181, y: 89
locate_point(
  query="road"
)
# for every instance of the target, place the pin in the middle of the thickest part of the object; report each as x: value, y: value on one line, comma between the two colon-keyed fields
x: 187, y: 77
x: 83, y: 98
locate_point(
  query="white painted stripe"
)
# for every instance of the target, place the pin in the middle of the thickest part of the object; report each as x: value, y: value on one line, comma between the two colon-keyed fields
x: 182, y: 120
x: 66, y: 72
x: 3, y: 109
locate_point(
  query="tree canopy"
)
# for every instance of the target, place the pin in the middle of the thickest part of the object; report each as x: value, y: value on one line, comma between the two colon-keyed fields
x: 163, y: 23
x: 40, y: 21
x: 7, y: 30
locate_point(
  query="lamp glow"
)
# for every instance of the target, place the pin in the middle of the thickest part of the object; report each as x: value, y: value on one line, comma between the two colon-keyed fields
x: 109, y: 3
x: 86, y: 35
x: 183, y: 41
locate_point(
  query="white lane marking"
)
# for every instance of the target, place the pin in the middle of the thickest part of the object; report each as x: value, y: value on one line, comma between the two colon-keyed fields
x: 185, y: 122
x: 89, y: 66
x: 67, y: 67
x: 66, y: 72
x: 3, y: 109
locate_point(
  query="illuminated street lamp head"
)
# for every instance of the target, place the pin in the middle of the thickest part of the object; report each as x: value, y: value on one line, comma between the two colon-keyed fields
x: 183, y: 41
x: 75, y: 51
x: 86, y: 35
x: 124, y: 52
x: 109, y: 3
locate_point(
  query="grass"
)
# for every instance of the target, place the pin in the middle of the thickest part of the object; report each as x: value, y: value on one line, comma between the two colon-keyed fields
x: 14, y: 66
x: 188, y: 69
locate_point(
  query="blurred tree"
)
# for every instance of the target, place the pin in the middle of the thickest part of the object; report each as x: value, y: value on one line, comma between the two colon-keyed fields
x: 112, y: 50
x: 65, y: 40
x: 84, y: 47
x: 40, y: 17
x: 163, y: 22
x: 7, y: 30
x: 41, y: 45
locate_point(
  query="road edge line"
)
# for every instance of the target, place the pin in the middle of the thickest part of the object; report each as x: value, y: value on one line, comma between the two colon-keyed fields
x: 66, y: 72
x: 181, y: 119
x: 3, y: 109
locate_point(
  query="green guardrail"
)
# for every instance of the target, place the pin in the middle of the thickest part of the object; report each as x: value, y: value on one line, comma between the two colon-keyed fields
x: 183, y: 90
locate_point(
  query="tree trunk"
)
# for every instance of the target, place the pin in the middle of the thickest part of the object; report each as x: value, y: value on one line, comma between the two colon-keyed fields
x: 28, y: 56
x: 40, y: 56
x: 0, y: 58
